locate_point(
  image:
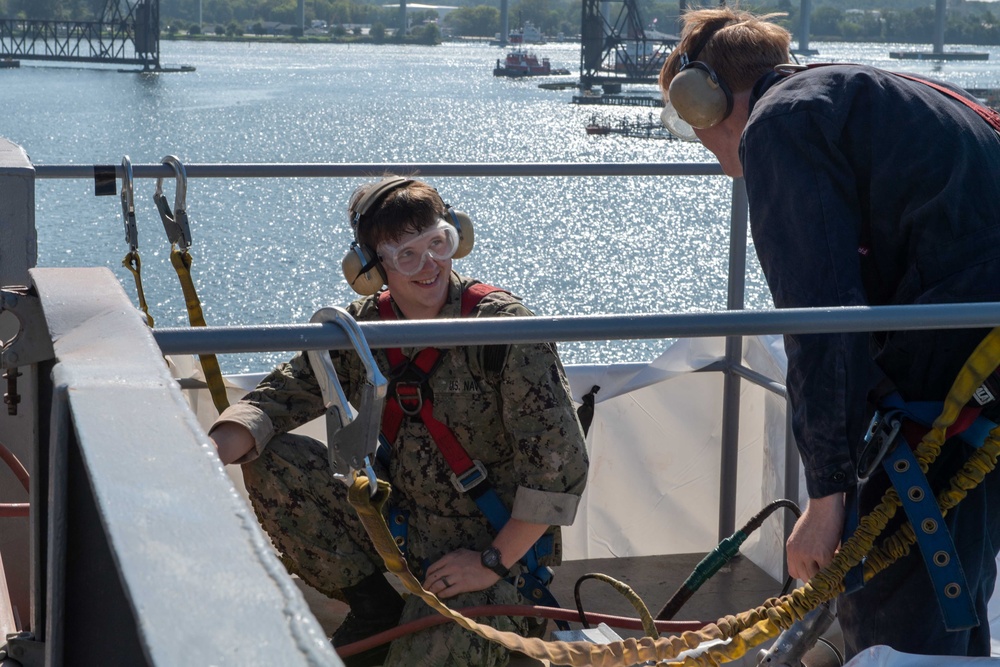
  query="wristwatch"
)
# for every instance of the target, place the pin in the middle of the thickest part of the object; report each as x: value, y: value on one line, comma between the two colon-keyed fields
x: 490, y: 558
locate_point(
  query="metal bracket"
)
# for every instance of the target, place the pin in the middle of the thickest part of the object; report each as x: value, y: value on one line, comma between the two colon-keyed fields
x: 31, y: 344
x: 23, y: 648
x: 352, y: 440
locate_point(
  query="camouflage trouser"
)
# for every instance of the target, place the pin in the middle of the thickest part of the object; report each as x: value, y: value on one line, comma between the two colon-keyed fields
x: 306, y: 513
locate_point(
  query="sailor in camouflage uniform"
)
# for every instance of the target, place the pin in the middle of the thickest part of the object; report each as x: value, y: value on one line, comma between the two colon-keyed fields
x: 508, y: 406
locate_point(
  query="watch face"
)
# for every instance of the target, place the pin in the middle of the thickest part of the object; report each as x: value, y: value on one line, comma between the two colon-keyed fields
x: 491, y: 558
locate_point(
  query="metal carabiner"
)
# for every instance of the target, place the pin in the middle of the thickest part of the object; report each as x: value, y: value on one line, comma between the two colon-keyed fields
x: 879, y: 439
x: 175, y: 223
x: 351, y: 439
x: 128, y: 206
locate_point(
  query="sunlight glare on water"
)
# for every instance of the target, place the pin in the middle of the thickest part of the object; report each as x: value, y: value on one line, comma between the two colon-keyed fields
x: 268, y: 251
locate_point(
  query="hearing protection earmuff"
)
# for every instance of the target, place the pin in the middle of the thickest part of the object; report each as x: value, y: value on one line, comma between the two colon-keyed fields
x: 361, y: 265
x: 698, y: 95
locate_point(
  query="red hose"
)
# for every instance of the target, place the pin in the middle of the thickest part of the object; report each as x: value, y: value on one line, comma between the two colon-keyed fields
x: 14, y: 509
x: 15, y: 466
x: 670, y: 627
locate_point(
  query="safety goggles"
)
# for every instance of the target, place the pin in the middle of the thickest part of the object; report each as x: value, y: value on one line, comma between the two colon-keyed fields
x: 438, y: 242
x: 676, y: 125
x: 670, y: 116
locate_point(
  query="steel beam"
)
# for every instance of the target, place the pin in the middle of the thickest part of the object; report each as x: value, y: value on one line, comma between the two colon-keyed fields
x: 152, y: 557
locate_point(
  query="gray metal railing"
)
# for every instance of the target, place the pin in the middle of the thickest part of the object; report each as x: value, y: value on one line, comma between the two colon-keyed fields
x: 734, y: 324
x: 80, y: 435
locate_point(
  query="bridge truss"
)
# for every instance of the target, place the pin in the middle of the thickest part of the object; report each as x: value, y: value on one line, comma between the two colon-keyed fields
x: 619, y: 50
x: 128, y: 33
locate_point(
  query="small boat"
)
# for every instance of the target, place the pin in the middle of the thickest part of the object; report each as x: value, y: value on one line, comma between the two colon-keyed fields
x: 520, y: 63
x: 595, y: 126
x: 528, y: 34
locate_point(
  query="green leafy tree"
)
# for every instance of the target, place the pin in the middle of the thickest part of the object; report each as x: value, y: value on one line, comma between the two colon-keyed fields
x: 428, y: 33
x: 341, y: 11
x: 36, y: 9
x: 479, y: 21
x: 541, y: 13
x: 825, y: 21
x: 377, y: 32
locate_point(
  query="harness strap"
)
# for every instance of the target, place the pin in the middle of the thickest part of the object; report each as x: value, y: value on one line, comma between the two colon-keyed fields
x: 467, y: 475
x: 133, y: 263
x: 895, y: 425
x: 934, y: 540
x: 181, y: 261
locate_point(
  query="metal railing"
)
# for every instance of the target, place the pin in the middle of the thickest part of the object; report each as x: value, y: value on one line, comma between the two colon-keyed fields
x: 77, y: 319
x: 733, y: 325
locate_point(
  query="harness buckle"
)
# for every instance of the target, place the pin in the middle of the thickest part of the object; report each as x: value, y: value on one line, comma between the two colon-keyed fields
x: 881, y: 434
x: 471, y: 478
x: 412, y: 395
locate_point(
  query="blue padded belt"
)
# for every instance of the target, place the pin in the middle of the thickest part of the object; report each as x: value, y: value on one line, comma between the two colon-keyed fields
x: 933, y: 537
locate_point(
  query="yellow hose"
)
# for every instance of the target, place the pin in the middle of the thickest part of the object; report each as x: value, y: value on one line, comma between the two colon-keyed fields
x: 756, y: 626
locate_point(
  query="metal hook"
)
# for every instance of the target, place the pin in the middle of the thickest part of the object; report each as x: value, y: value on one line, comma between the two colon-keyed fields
x: 175, y: 223
x: 351, y: 440
x: 128, y: 205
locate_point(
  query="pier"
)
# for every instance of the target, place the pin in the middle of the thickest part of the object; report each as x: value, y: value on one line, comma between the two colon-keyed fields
x: 128, y: 33
x: 619, y: 100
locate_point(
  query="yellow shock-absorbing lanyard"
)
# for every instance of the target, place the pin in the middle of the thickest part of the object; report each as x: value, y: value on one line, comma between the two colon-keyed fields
x: 756, y: 626
x: 178, y: 230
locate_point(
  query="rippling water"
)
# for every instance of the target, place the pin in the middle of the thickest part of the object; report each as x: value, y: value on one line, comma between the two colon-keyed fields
x: 268, y: 251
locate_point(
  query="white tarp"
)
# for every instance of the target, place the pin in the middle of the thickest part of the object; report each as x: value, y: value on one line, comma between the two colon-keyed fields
x: 655, y: 448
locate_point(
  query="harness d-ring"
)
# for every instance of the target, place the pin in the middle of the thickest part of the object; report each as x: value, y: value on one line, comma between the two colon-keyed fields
x: 351, y: 439
x: 131, y: 261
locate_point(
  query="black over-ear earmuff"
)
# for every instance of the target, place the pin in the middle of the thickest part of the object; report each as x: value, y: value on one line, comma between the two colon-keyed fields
x: 699, y: 96
x: 361, y: 265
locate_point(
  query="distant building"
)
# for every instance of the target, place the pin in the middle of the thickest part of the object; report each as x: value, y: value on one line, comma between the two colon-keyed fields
x: 442, y: 10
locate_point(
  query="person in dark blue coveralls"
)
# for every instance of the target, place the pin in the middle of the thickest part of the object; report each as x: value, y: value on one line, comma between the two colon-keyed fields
x: 865, y: 188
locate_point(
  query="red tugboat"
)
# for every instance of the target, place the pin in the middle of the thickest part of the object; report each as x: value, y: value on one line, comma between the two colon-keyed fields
x: 522, y: 63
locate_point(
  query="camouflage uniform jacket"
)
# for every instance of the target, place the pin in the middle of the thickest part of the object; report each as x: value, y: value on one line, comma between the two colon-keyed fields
x: 520, y: 422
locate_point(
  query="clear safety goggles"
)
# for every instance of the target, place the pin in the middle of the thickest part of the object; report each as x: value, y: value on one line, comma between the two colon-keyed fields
x: 438, y: 243
x: 677, y: 126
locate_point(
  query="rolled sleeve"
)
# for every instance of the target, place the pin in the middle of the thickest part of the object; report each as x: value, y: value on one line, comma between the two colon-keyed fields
x: 556, y: 509
x: 254, y: 420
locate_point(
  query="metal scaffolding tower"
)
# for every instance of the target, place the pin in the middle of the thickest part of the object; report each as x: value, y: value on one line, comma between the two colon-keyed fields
x: 622, y: 50
x: 128, y: 33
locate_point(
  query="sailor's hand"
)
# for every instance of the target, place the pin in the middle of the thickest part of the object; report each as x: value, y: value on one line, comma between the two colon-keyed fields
x: 460, y: 571
x: 816, y: 536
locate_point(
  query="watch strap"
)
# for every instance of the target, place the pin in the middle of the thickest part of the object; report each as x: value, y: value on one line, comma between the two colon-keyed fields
x: 491, y: 560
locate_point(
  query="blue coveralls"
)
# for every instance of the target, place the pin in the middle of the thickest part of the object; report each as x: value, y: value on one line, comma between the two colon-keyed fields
x: 869, y: 189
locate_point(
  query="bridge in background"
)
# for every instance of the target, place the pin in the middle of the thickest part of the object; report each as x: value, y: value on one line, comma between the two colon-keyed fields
x: 128, y: 33
x: 617, y: 48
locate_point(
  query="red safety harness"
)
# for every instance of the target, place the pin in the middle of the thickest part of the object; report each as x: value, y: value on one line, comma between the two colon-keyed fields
x: 409, y: 395
x: 408, y: 380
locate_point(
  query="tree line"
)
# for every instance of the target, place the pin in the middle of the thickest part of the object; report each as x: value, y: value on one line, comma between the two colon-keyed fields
x: 910, y: 21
